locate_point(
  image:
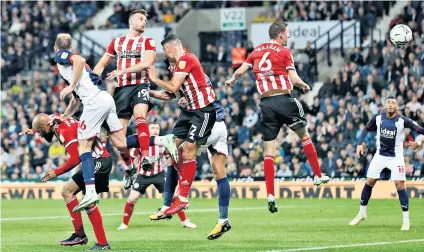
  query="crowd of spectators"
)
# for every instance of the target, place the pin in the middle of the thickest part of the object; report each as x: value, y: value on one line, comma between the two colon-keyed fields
x: 29, y: 28
x: 335, y: 119
x: 159, y: 12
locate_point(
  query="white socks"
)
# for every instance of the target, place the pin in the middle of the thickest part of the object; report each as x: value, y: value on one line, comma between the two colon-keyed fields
x: 164, y: 208
x: 362, y: 210
x: 221, y: 221
x: 90, y: 190
x: 160, y: 140
x: 405, y: 216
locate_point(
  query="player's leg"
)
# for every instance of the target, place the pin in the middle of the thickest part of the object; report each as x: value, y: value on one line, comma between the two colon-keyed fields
x: 170, y: 183
x: 294, y: 118
x: 404, y: 203
x: 270, y: 127
x: 187, y: 172
x: 311, y: 155
x: 398, y: 175
x: 373, y: 174
x: 103, y: 169
x: 96, y: 220
x: 69, y: 192
x: 122, y: 109
x: 140, y: 103
x: 91, y: 121
x: 129, y: 208
x: 224, y: 192
x: 117, y: 129
x: 88, y: 169
x: 125, y: 152
x: 202, y: 123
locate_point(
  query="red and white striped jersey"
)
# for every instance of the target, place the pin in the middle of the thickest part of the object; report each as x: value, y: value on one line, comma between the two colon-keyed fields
x: 195, y: 88
x: 157, y: 157
x: 67, y: 133
x: 129, y: 52
x: 271, y: 62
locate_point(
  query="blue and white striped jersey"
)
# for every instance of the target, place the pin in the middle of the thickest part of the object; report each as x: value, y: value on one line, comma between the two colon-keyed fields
x: 391, y: 133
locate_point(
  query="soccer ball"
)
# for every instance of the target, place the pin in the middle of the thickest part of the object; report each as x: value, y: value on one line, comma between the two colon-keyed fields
x: 400, y: 35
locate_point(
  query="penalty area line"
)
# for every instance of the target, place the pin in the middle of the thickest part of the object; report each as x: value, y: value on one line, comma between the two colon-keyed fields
x: 348, y: 246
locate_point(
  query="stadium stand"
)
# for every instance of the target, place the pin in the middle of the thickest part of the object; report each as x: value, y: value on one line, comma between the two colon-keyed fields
x: 339, y: 112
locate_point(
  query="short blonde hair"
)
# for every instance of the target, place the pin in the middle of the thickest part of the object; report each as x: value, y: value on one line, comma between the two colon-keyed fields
x: 63, y: 41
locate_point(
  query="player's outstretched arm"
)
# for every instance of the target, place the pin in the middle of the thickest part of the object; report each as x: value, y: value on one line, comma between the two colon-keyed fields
x: 413, y: 125
x: 72, y: 108
x: 78, y: 65
x: 73, y: 161
x: 237, y: 74
x: 172, y: 86
x: 103, y: 63
x: 371, y: 125
x: 162, y: 95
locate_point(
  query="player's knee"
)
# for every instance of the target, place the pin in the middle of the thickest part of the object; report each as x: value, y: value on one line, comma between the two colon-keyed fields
x: 133, y: 199
x: 118, y: 140
x: 400, y: 185
x: 218, y: 166
x: 302, y: 133
x: 67, y: 193
x: 140, y: 110
x: 189, y: 151
x: 84, y: 145
x: 371, y: 182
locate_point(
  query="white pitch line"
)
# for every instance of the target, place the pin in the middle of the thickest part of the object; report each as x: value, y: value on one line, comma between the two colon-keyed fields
x: 348, y: 246
x: 138, y: 213
x: 148, y: 213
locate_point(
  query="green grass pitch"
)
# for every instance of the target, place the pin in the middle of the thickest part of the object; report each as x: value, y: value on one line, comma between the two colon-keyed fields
x: 38, y: 225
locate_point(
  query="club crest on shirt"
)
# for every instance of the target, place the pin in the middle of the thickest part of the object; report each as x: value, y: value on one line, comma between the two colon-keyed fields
x: 152, y: 43
x: 182, y: 64
x: 64, y: 55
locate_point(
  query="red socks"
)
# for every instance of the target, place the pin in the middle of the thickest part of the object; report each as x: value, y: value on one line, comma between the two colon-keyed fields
x: 312, y: 156
x: 97, y: 223
x: 125, y: 155
x: 182, y: 215
x: 76, y: 217
x: 187, y: 177
x: 269, y: 174
x: 143, y: 135
x: 129, y: 208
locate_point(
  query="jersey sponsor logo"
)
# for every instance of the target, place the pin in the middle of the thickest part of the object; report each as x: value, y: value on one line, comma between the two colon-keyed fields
x: 388, y: 133
x: 129, y: 54
x: 182, y: 64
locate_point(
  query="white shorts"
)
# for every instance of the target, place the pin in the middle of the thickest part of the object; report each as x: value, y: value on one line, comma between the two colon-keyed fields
x: 98, y: 110
x: 395, y: 164
x: 217, y: 140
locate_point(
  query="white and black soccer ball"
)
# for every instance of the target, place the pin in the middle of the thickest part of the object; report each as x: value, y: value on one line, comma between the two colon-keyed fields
x: 400, y: 35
